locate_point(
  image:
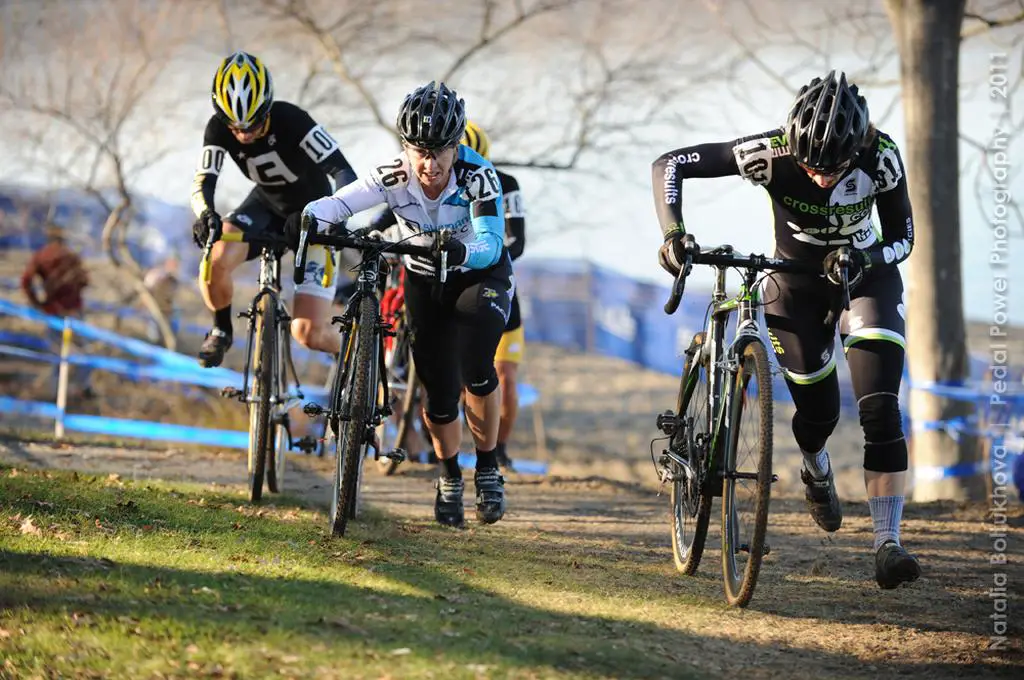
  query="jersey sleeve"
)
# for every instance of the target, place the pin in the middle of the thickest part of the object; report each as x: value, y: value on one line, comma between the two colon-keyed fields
x: 323, y: 150
x: 360, y: 195
x: 208, y: 167
x: 486, y: 213
x: 749, y: 157
x: 515, y: 215
x: 893, y: 202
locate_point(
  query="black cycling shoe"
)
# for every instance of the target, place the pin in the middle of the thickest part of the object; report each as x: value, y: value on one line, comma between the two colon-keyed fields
x: 215, y: 346
x: 822, y: 500
x: 490, y: 495
x: 503, y: 460
x: 894, y: 565
x: 448, y: 502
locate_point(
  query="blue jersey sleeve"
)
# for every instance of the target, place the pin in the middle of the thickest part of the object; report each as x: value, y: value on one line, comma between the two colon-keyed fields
x: 486, y: 210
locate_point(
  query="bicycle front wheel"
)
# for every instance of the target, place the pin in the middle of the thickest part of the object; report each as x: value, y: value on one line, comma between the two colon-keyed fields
x: 352, y: 439
x: 691, y: 500
x: 747, y: 466
x: 259, y: 395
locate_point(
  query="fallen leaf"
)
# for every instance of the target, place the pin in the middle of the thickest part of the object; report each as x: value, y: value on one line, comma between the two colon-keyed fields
x: 13, y: 473
x: 29, y: 527
x: 401, y: 651
x: 192, y: 649
x: 290, y: 659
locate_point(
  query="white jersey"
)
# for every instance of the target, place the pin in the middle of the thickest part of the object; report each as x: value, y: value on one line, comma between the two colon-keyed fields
x: 471, y: 206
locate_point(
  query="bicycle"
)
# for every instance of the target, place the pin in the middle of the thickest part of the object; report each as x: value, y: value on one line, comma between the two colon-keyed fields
x: 359, y: 397
x: 269, y: 358
x: 701, y: 458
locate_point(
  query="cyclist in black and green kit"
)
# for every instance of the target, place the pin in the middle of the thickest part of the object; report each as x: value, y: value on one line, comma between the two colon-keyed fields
x: 825, y: 171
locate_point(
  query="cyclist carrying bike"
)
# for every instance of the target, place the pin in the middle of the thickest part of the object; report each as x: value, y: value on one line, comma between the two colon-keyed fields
x: 435, y: 183
x: 513, y: 341
x: 291, y: 158
x: 824, y: 171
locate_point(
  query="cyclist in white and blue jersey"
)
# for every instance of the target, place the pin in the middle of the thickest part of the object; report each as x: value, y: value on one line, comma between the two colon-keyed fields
x: 436, y: 183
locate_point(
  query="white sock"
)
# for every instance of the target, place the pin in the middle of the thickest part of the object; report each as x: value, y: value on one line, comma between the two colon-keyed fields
x: 817, y: 463
x: 886, y: 513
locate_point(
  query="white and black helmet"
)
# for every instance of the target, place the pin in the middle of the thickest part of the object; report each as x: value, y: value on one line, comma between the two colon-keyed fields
x: 828, y: 123
x: 432, y: 117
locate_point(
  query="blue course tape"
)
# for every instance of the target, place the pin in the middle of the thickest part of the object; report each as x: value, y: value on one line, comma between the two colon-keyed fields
x: 26, y: 340
x: 139, y: 429
x: 931, y: 473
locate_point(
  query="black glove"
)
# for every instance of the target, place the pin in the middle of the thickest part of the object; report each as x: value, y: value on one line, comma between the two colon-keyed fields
x: 292, y: 229
x: 209, y: 221
x: 672, y: 253
x: 858, y: 263
x: 455, y: 248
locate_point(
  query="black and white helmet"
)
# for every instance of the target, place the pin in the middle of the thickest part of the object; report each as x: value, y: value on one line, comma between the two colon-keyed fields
x: 432, y: 117
x: 828, y: 123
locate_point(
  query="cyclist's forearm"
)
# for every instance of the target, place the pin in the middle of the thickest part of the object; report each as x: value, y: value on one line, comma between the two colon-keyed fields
x: 897, y: 220
x: 339, y: 169
x: 345, y: 202
x: 670, y: 169
x: 204, y: 187
x: 515, y: 227
x: 489, y: 231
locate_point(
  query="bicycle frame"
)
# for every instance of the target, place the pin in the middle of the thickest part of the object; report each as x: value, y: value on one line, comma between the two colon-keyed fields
x: 281, y: 400
x: 368, y: 283
x: 726, y: 357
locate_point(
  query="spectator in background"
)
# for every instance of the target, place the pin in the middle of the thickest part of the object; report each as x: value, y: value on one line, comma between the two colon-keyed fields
x: 55, y: 277
x: 163, y: 283
x: 53, y: 282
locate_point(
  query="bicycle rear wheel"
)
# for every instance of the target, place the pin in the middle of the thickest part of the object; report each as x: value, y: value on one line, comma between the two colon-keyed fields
x: 691, y: 500
x: 357, y: 396
x: 748, y: 475
x: 259, y: 395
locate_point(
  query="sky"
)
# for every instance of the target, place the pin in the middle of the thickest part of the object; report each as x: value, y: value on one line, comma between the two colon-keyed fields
x: 603, y: 211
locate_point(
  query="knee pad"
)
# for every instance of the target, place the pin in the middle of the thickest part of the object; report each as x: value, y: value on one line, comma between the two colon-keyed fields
x: 811, y: 435
x: 481, y: 386
x: 885, y: 448
x: 442, y: 416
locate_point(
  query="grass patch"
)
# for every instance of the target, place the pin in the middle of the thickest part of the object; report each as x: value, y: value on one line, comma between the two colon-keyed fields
x: 101, y: 577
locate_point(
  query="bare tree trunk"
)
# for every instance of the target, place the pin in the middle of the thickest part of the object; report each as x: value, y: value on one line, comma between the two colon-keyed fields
x: 113, y: 239
x: 928, y: 37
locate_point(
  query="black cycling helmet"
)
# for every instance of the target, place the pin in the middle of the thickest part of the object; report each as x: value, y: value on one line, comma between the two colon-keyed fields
x: 432, y: 117
x: 828, y: 123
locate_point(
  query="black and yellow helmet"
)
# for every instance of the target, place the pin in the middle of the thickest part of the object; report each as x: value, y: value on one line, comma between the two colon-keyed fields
x: 476, y: 139
x: 243, y: 91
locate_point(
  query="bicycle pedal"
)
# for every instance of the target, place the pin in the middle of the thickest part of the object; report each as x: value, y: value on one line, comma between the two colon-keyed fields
x: 231, y: 392
x: 667, y: 422
x: 397, y: 455
x: 307, y: 444
x: 244, y: 315
x: 313, y: 409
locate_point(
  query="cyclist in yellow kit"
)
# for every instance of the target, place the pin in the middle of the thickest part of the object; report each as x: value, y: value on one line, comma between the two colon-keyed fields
x: 513, y: 341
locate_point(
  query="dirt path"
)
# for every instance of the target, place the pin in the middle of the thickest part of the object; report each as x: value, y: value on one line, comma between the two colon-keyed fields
x: 816, y: 597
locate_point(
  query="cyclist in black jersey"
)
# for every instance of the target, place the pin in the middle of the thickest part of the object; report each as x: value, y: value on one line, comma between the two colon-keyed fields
x: 291, y: 159
x: 510, y: 350
x: 824, y: 171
